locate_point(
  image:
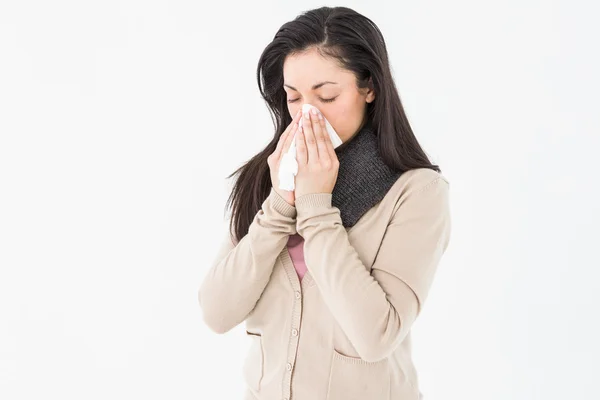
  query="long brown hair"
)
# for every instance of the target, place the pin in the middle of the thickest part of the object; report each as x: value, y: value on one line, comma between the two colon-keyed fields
x: 358, y: 45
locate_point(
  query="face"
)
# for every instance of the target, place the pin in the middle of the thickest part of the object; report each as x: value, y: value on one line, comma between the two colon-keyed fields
x: 340, y: 100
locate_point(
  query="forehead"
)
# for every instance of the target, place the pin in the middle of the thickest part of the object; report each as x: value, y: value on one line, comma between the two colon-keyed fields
x: 309, y: 67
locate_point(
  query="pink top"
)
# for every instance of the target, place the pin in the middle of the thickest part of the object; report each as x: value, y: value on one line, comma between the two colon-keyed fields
x: 295, y: 246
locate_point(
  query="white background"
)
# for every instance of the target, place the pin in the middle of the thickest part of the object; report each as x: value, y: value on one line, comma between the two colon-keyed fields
x: 119, y: 121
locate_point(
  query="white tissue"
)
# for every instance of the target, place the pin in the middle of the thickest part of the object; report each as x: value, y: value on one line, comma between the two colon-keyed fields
x: 288, y: 167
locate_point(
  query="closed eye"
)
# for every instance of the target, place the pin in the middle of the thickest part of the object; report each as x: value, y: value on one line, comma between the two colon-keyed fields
x: 323, y: 100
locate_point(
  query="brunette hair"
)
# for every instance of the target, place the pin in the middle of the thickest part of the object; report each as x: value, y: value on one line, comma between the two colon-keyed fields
x: 357, y: 44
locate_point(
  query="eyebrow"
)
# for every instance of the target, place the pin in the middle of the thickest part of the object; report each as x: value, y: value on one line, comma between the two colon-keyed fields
x: 315, y: 87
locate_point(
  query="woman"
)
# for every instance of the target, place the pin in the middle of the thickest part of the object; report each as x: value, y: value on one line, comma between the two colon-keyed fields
x: 329, y: 278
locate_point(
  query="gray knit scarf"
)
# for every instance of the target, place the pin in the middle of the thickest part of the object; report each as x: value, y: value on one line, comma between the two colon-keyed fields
x: 363, y: 178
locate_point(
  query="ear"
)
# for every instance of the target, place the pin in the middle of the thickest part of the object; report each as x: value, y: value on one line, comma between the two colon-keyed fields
x: 370, y: 91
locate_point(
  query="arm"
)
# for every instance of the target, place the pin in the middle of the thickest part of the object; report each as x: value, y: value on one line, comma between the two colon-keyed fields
x: 240, y: 272
x: 376, y: 310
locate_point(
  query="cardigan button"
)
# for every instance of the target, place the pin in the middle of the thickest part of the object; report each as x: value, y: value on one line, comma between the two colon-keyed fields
x: 298, y: 295
x: 294, y: 332
x: 289, y: 366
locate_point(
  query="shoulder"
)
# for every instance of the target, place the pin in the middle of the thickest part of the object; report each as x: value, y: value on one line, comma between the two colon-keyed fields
x: 417, y: 182
x: 418, y: 179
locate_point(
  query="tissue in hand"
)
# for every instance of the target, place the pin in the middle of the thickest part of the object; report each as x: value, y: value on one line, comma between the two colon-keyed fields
x: 288, y: 166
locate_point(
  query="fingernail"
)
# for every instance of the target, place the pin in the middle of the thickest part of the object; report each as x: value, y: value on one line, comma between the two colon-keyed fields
x: 306, y: 116
x: 314, y: 111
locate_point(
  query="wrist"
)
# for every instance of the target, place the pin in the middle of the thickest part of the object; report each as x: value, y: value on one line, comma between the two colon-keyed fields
x: 281, y: 205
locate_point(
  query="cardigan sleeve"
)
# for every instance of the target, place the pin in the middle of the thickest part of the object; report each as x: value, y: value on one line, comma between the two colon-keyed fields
x: 240, y: 271
x: 377, y: 309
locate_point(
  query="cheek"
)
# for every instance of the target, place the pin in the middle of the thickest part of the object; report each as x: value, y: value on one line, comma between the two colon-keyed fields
x: 342, y: 115
x: 293, y: 108
x: 342, y: 118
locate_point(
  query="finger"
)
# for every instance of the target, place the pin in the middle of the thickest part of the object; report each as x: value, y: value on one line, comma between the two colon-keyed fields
x: 284, y: 136
x: 331, y: 150
x: 280, y: 143
x: 290, y: 138
x: 309, y: 138
x: 296, y: 118
x: 328, y: 142
x: 320, y: 136
x: 301, y: 154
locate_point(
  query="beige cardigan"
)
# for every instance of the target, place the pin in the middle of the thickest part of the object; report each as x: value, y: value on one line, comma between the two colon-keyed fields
x: 343, y: 333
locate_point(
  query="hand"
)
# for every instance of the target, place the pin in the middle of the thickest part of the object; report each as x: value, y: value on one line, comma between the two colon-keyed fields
x: 283, y: 145
x: 317, y: 162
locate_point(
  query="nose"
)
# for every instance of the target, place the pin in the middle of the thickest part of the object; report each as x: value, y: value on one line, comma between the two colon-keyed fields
x: 306, y: 107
